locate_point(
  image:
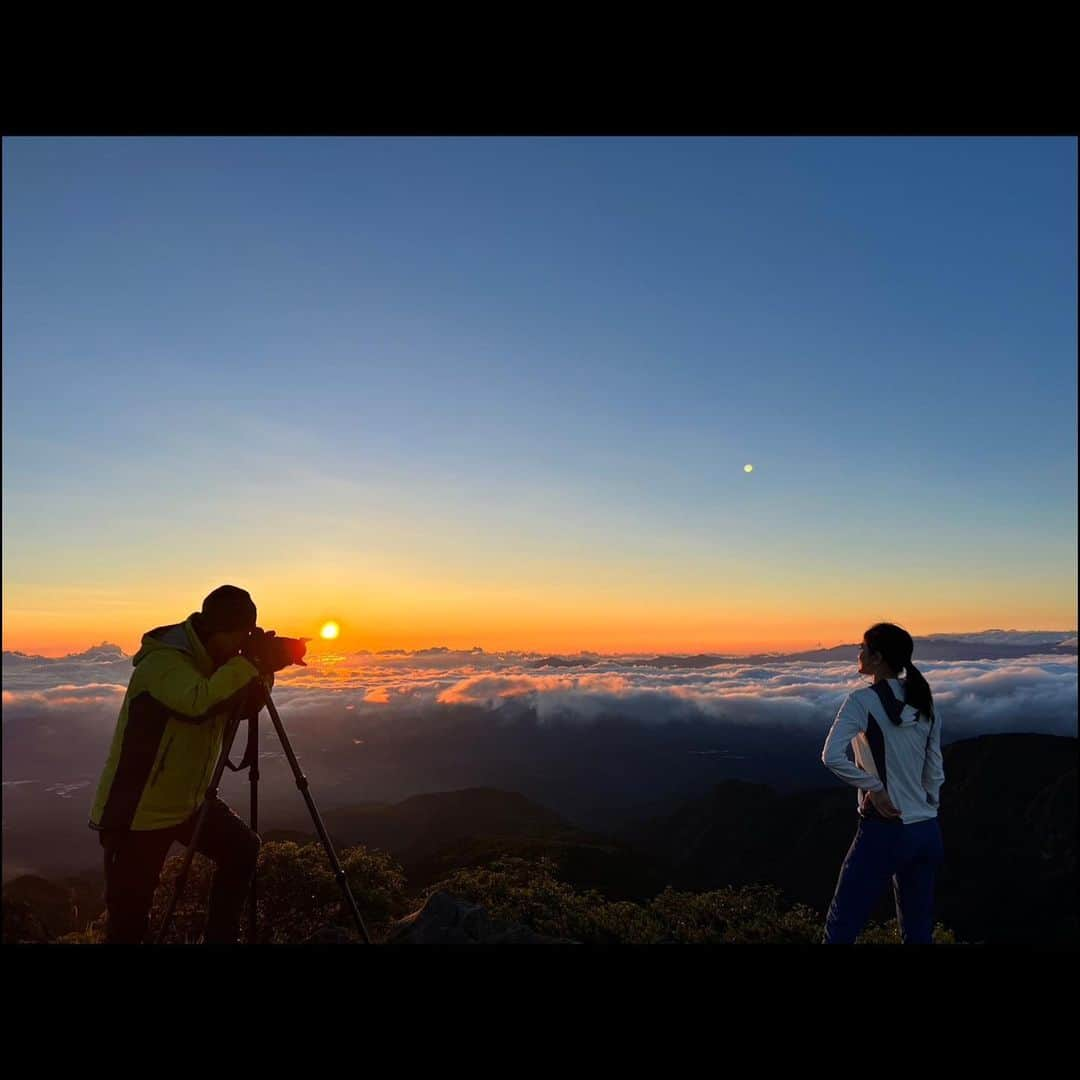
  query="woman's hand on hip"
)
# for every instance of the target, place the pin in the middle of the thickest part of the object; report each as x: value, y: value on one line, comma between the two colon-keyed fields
x: 883, y: 804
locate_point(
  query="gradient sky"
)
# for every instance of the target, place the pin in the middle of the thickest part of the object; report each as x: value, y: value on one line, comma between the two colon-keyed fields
x: 500, y: 392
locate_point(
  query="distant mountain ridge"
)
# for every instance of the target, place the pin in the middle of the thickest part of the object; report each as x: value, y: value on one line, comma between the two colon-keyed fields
x: 937, y: 648
x: 106, y: 652
x: 982, y: 644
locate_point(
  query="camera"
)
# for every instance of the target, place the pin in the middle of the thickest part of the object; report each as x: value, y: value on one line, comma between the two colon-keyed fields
x: 269, y: 653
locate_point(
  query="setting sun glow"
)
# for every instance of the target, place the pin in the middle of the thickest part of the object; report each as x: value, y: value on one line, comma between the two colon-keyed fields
x: 330, y: 631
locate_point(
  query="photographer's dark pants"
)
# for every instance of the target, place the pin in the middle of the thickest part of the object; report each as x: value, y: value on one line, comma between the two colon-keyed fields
x: 910, y: 855
x: 133, y: 862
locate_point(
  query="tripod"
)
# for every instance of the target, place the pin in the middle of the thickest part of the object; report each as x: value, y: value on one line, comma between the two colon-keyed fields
x: 251, y: 761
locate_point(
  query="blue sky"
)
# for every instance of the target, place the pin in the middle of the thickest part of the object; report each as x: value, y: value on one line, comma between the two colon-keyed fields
x: 489, y: 357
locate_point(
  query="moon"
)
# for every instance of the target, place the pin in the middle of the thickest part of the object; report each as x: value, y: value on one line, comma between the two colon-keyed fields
x: 330, y: 631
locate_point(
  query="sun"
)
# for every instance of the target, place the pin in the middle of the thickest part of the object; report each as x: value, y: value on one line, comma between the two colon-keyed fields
x: 330, y: 631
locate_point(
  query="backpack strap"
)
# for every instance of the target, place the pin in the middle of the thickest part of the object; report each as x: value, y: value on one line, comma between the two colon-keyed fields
x: 892, y: 707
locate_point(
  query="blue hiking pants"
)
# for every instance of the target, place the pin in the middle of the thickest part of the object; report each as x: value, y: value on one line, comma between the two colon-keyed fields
x: 908, y: 854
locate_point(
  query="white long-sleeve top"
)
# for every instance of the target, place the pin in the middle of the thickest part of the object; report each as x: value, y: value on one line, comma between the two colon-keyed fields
x: 903, y: 758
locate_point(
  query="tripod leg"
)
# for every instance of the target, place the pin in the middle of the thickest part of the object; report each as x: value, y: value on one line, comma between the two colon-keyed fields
x: 211, y: 794
x: 302, y: 784
x: 253, y: 777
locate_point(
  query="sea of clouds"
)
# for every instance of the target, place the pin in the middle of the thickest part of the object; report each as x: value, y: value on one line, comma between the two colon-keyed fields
x: 1032, y: 693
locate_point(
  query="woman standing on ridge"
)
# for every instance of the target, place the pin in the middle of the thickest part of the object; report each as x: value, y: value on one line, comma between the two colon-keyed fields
x: 896, y: 737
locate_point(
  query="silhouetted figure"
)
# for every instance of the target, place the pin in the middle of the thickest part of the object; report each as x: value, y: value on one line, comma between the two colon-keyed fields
x: 189, y: 681
x: 895, y: 735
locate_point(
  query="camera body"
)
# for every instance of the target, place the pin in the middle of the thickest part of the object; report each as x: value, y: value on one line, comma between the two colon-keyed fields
x: 270, y: 653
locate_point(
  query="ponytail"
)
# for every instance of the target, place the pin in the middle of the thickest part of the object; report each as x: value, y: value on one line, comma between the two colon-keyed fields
x: 917, y: 692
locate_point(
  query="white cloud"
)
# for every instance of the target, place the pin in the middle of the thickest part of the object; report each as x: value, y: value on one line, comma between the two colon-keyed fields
x: 1031, y: 693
